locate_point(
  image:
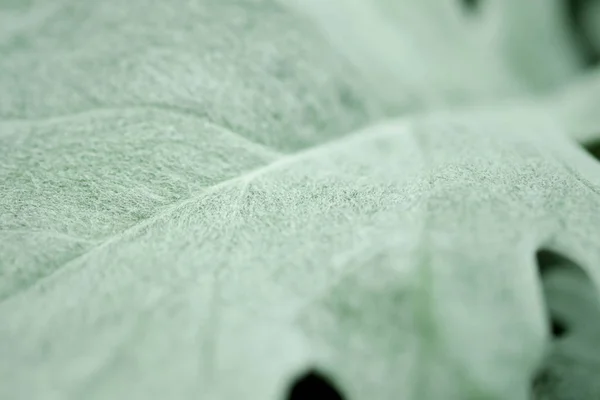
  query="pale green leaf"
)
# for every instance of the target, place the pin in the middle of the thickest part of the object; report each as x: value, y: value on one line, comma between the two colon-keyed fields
x: 208, y: 199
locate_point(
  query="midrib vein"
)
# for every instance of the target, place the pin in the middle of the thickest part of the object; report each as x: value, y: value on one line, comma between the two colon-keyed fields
x: 399, y: 124
x: 280, y: 163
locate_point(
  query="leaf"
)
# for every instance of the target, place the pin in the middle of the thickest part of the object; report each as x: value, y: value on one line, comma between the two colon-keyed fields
x: 537, y: 40
x: 574, y: 104
x: 573, y: 303
x: 292, y: 266
x: 212, y: 199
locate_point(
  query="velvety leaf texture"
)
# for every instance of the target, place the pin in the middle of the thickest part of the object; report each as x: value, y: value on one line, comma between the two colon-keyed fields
x: 258, y: 199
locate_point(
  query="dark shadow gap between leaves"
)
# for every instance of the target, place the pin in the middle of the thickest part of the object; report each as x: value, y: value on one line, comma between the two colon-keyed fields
x: 593, y: 149
x: 313, y: 385
x: 575, y: 11
x: 471, y: 6
x: 570, y: 312
x: 558, y: 328
x: 550, y: 262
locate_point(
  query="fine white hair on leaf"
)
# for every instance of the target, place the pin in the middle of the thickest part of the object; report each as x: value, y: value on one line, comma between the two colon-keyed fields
x: 207, y: 199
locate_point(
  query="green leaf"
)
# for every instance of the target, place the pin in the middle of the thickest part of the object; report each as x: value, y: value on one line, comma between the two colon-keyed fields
x: 211, y: 199
x: 572, y: 364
